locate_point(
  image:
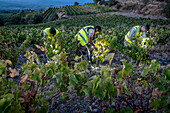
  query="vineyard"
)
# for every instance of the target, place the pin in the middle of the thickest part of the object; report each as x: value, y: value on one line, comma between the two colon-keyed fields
x: 58, y: 80
x: 48, y: 12
x: 100, y: 8
x: 75, y: 10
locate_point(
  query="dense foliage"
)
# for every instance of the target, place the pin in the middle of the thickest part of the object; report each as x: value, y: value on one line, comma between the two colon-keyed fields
x: 145, y: 91
x: 100, y: 8
x: 114, y: 29
x: 23, y: 17
x: 75, y: 10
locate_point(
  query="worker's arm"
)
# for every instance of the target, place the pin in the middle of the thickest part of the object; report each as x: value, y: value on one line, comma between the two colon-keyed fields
x: 90, y: 38
x: 143, y: 35
x: 131, y: 34
x: 45, y: 34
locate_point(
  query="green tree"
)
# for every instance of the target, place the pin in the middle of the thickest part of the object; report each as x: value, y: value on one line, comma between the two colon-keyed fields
x: 28, y: 19
x: 16, y: 19
x: 76, y: 3
x: 37, y: 19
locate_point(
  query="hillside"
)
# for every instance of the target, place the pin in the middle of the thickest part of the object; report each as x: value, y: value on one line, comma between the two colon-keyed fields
x: 58, y: 80
x: 158, y: 8
x: 146, y: 8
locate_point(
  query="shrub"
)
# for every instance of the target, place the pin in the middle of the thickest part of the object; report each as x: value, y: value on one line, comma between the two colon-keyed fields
x: 16, y: 19
x: 37, y: 19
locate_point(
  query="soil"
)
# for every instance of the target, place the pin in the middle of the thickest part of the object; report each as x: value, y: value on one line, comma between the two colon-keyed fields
x: 22, y: 59
x: 161, y: 54
x: 75, y: 104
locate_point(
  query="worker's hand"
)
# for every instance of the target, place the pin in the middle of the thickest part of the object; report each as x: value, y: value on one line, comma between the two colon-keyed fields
x: 38, y: 46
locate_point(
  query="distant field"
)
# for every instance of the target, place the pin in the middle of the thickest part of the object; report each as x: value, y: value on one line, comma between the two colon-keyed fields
x: 5, y: 15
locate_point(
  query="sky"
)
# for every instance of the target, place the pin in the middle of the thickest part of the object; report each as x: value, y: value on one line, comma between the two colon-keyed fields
x: 37, y: 4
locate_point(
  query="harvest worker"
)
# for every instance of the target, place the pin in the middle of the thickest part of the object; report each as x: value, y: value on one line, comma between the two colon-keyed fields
x: 50, y: 38
x: 85, y: 37
x: 50, y: 32
x: 136, y: 32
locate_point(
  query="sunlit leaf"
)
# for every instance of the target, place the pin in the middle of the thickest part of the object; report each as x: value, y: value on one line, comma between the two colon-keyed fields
x: 110, y: 57
x: 28, y: 55
x: 8, y: 62
x: 145, y: 71
x: 23, y: 79
x: 77, y: 58
x: 13, y: 73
